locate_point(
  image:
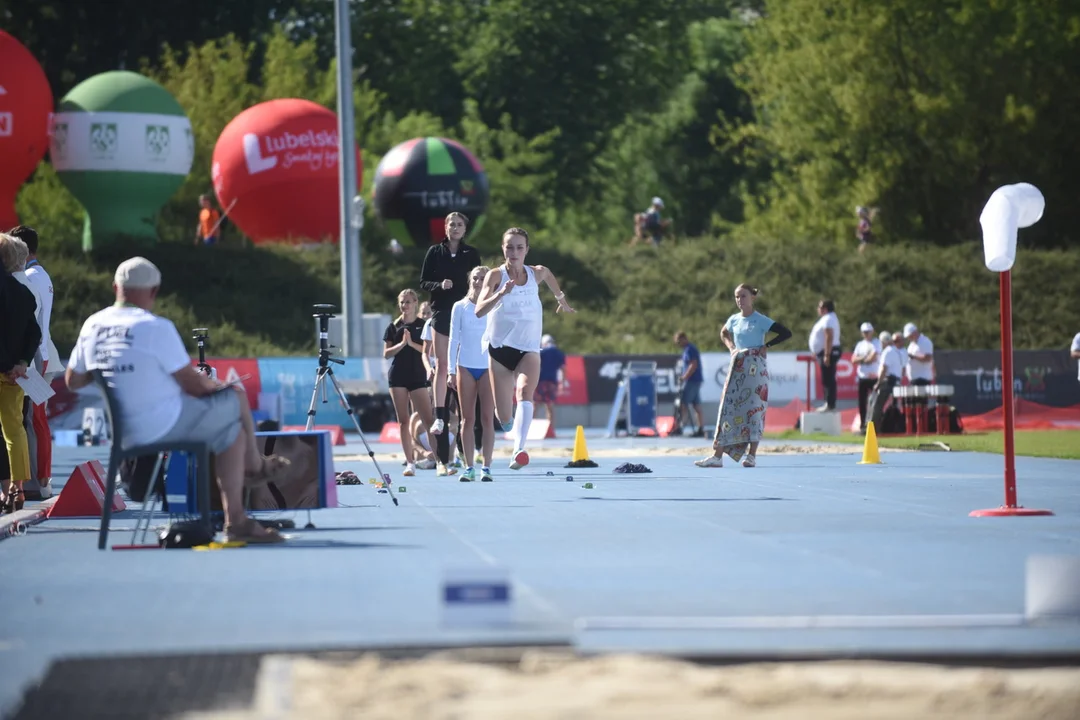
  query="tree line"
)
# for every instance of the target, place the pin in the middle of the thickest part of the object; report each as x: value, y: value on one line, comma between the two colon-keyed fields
x: 768, y: 118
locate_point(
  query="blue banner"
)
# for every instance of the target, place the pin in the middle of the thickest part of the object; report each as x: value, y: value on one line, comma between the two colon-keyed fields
x: 294, y: 380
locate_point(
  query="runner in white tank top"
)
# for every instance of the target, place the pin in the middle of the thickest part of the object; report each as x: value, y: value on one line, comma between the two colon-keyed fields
x: 511, y: 296
x: 468, y: 360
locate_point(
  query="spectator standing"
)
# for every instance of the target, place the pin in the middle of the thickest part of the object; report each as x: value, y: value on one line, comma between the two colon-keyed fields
x: 825, y: 344
x: 208, y: 229
x: 552, y: 361
x: 920, y: 356
x: 47, y: 362
x: 20, y: 337
x: 1075, y: 352
x: 866, y: 357
x: 692, y: 378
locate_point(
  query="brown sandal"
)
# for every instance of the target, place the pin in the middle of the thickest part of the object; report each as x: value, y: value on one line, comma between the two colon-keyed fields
x: 273, y: 467
x: 252, y: 533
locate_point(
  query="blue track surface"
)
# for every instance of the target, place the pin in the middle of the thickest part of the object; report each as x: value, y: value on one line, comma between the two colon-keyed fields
x: 713, y: 557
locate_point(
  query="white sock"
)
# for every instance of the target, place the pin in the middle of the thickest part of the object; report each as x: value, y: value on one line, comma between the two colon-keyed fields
x: 522, y: 421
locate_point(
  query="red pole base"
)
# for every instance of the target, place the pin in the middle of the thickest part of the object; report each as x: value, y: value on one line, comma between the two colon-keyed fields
x: 1008, y: 512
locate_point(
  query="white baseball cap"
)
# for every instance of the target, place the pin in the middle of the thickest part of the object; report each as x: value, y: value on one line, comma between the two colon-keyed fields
x: 885, y: 336
x: 658, y: 201
x: 866, y: 327
x: 910, y: 330
x: 547, y: 340
x: 137, y: 273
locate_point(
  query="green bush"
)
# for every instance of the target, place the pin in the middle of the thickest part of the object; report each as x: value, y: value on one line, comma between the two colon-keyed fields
x: 257, y: 301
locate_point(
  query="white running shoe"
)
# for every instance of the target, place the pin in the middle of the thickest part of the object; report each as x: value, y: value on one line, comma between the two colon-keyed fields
x: 521, y: 459
x: 425, y: 465
x: 437, y: 427
x: 710, y: 462
x: 409, y: 471
x: 749, y: 461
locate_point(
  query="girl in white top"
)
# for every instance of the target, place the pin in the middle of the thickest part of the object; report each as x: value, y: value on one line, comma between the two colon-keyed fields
x: 468, y: 359
x: 511, y: 294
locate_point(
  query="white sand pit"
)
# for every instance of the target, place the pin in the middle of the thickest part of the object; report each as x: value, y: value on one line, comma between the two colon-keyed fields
x: 547, y: 684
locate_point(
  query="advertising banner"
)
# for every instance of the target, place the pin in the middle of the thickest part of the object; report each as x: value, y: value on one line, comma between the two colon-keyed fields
x: 573, y: 390
x: 120, y: 141
x: 787, y: 377
x: 603, y: 373
x: 232, y: 369
x: 1047, y: 377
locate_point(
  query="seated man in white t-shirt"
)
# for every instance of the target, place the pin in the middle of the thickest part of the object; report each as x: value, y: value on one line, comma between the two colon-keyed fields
x: 920, y: 352
x: 163, y: 398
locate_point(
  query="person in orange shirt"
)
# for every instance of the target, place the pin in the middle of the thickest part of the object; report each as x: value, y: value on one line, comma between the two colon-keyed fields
x: 207, y: 230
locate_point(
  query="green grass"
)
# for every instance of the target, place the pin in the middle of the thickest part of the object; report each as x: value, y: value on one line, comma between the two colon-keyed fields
x: 1035, y: 443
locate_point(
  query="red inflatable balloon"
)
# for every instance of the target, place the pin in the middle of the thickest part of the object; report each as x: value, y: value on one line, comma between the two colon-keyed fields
x: 26, y: 104
x: 276, y: 166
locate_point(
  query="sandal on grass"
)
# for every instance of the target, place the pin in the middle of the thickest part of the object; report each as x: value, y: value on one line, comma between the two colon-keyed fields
x: 272, y: 468
x: 253, y: 533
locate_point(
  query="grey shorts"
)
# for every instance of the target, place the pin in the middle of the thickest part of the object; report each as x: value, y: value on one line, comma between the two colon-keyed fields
x: 214, y: 419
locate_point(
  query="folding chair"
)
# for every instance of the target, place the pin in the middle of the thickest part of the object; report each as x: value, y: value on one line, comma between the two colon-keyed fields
x: 119, y: 453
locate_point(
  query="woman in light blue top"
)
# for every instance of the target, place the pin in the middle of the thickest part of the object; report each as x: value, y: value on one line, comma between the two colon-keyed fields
x: 741, y: 420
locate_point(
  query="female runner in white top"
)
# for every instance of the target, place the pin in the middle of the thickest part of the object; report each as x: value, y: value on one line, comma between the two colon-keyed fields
x: 468, y: 360
x: 511, y: 294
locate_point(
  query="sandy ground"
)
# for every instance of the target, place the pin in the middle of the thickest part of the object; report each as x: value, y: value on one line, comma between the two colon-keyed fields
x: 546, y: 685
x: 639, y: 452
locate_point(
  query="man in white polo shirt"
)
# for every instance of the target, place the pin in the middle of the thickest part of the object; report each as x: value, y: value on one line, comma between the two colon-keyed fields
x: 920, y: 351
x: 1075, y: 353
x: 163, y: 398
x: 825, y: 344
x: 866, y: 358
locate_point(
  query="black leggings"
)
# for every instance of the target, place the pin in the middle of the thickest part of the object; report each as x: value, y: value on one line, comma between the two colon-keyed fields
x: 828, y: 376
x: 866, y: 386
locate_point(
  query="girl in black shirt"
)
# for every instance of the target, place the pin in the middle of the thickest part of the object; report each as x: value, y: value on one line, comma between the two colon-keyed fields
x: 445, y: 274
x: 408, y: 379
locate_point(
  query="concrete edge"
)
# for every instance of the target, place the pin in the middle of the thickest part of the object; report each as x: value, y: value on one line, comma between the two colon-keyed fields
x: 16, y: 523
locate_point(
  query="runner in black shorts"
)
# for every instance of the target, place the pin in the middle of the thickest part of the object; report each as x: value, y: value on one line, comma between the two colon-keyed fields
x: 408, y: 380
x: 445, y: 274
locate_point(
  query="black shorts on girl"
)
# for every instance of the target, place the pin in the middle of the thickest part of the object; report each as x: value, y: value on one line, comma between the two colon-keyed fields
x: 506, y: 356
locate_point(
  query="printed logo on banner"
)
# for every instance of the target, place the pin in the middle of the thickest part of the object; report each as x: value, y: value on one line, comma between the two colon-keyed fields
x: 157, y: 142
x: 103, y: 139
x: 59, y: 141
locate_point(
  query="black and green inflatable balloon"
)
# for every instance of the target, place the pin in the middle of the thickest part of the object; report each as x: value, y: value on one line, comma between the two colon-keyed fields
x: 421, y: 181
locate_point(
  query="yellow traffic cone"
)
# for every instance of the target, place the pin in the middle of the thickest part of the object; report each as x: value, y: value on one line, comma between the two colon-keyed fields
x: 870, y: 454
x: 580, y: 451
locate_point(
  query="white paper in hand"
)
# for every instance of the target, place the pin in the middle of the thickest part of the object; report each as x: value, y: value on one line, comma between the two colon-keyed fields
x: 35, y: 386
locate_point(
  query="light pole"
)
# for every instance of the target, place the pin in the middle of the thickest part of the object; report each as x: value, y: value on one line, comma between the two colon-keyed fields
x: 351, y: 205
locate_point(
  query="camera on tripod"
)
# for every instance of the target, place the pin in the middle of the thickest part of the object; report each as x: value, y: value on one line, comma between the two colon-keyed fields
x: 202, y: 339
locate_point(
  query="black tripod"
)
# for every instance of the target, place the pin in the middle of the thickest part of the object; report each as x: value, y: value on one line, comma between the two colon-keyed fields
x: 324, y: 313
x: 202, y: 338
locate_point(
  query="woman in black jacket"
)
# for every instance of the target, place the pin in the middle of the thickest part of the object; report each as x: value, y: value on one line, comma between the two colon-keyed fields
x: 19, y: 340
x: 445, y: 274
